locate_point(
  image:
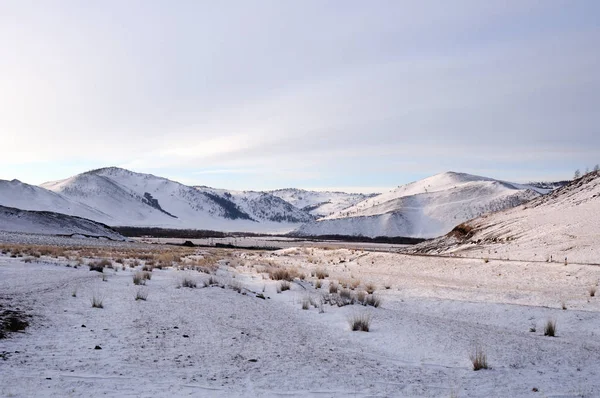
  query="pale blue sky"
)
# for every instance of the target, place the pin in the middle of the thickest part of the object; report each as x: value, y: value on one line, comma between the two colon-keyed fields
x: 312, y: 94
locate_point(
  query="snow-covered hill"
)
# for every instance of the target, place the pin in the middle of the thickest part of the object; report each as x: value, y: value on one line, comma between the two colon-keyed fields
x: 30, y: 197
x: 135, y: 199
x: 49, y: 223
x: 427, y: 208
x: 562, y: 224
x: 320, y: 204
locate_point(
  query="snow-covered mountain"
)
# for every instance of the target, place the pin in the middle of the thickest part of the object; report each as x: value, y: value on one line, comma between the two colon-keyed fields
x: 30, y: 197
x: 135, y: 199
x: 49, y: 223
x: 563, y: 224
x: 427, y: 208
x: 320, y: 204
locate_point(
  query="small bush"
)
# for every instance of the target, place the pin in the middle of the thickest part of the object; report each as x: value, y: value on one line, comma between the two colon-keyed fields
x: 333, y: 288
x: 305, y: 303
x: 211, y: 282
x: 188, y: 282
x: 373, y: 300
x: 96, y: 266
x: 97, y: 301
x: 550, y: 328
x: 321, y: 273
x: 141, y: 294
x: 361, y: 297
x: 318, y: 284
x: 479, y: 359
x: 284, y: 285
x: 138, y: 279
x: 283, y: 274
x: 370, y: 288
x: 592, y: 291
x: 360, y: 322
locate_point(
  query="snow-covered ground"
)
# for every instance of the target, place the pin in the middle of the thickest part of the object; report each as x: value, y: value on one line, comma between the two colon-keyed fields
x: 561, y: 225
x: 216, y: 342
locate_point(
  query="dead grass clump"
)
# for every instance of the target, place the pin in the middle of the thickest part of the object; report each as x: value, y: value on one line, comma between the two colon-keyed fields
x: 354, y: 284
x: 305, y: 303
x: 370, y: 287
x: 361, y: 297
x: 138, y: 279
x: 550, y: 328
x: 333, y: 288
x: 592, y: 291
x: 318, y: 284
x: 212, y: 281
x: 360, y: 322
x: 283, y: 286
x: 96, y: 266
x: 283, y: 274
x: 188, y: 282
x: 321, y: 273
x: 147, y: 267
x: 141, y: 294
x: 479, y: 359
x: 97, y: 301
x: 372, y: 300
x: 146, y: 275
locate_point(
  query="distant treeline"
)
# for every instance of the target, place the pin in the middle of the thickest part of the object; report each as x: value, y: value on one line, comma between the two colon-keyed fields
x: 396, y: 240
x: 134, y: 232
x: 152, y: 232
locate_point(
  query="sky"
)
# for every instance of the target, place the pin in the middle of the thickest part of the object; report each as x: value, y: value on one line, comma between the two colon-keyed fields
x: 351, y: 95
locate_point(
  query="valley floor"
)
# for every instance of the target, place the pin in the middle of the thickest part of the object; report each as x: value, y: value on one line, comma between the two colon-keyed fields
x: 213, y: 341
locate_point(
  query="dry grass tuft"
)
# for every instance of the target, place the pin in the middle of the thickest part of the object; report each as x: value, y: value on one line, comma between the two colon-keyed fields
x: 321, y: 273
x: 138, y: 279
x: 592, y: 291
x: 360, y: 322
x: 141, y: 294
x: 187, y: 282
x: 479, y: 359
x: 550, y: 328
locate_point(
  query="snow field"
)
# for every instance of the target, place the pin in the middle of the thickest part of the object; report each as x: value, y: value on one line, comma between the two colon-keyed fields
x: 213, y: 341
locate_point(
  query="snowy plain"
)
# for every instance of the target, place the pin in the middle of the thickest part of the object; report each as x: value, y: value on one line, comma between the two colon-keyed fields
x: 212, y: 341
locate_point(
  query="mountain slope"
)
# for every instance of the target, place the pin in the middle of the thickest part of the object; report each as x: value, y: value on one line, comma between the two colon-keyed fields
x: 136, y: 199
x: 30, y: 197
x: 319, y: 204
x: 562, y: 224
x: 424, y: 209
x: 49, y: 223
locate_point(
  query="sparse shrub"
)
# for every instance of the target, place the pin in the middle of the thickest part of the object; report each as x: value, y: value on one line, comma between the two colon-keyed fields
x: 141, y: 294
x: 146, y: 275
x: 318, y: 284
x: 211, y: 281
x: 188, y: 282
x: 305, y: 303
x: 321, y: 273
x: 74, y: 292
x: 138, y: 279
x: 550, y: 328
x: 235, y: 286
x: 361, y: 296
x: 592, y: 291
x: 282, y: 274
x: 373, y: 300
x: 333, y: 287
x: 284, y: 285
x: 486, y: 260
x: 370, y: 288
x: 96, y: 266
x: 563, y: 305
x: 147, y: 268
x: 97, y: 301
x: 479, y: 359
x: 360, y: 322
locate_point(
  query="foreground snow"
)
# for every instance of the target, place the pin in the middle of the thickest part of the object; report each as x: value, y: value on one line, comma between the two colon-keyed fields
x: 216, y: 342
